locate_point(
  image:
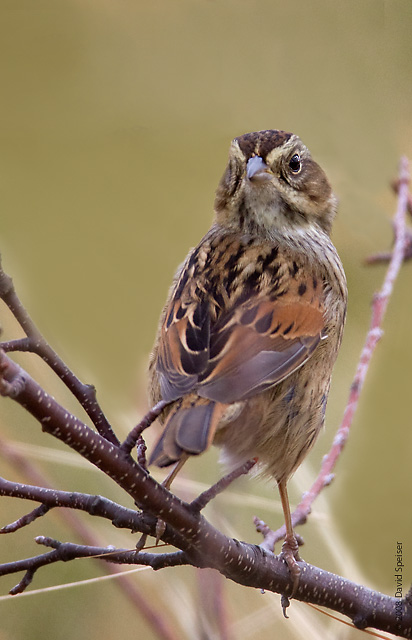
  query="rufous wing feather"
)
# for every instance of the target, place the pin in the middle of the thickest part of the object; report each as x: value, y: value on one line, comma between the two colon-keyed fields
x: 250, y: 347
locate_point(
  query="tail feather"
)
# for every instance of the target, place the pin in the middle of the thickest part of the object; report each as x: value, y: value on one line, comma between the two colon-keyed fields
x: 189, y: 428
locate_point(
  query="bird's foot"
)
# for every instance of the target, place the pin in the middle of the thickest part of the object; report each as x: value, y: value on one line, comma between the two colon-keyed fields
x: 290, y: 554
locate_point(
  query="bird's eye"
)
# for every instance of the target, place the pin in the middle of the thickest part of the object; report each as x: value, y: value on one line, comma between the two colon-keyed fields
x: 295, y: 163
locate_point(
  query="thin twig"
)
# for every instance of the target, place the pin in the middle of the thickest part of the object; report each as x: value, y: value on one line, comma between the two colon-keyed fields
x: 205, y: 497
x: 141, y: 452
x: 385, y: 256
x: 395, y: 186
x: 36, y: 343
x: 94, y: 505
x: 38, y: 512
x: 66, y: 551
x: 71, y: 551
x: 134, y: 435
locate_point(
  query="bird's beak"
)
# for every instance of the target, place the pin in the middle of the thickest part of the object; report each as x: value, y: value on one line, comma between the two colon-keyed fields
x: 257, y: 169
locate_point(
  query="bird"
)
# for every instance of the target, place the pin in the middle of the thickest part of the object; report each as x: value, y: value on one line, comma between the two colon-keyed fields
x: 254, y: 319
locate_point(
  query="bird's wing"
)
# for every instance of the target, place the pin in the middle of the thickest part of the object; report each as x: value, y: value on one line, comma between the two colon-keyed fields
x: 250, y: 347
x: 184, y: 347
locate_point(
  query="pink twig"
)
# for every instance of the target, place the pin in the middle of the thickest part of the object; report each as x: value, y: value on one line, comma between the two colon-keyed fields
x: 395, y: 187
x: 379, y: 305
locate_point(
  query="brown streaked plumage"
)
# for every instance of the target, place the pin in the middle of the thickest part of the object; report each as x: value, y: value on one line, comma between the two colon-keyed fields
x: 254, y: 318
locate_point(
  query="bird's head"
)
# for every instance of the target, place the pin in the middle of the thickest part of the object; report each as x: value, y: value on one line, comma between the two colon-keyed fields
x: 272, y: 182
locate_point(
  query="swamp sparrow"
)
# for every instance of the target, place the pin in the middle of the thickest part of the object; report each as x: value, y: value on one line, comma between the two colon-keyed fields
x: 254, y: 319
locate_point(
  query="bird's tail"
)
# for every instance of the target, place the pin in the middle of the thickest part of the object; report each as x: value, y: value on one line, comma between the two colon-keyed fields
x: 189, y: 428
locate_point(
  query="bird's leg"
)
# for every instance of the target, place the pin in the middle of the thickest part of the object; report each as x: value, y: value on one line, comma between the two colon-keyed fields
x: 160, y: 524
x: 172, y: 475
x: 290, y: 548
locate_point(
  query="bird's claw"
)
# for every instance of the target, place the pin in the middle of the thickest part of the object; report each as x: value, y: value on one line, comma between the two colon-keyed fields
x: 290, y: 554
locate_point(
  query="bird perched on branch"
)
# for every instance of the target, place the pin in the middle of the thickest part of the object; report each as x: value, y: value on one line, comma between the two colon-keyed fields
x: 254, y: 319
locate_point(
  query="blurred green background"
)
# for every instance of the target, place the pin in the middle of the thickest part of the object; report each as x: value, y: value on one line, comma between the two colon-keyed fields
x: 115, y: 122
